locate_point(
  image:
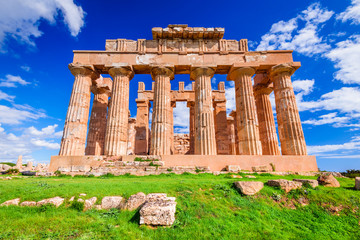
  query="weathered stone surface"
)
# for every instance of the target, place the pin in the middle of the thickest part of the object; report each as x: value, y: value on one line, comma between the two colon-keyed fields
x: 236, y: 176
x: 19, y: 163
x: 249, y: 188
x: 233, y: 168
x: 135, y: 201
x: 328, y: 180
x: 262, y: 168
x: 112, y: 202
x: 57, y: 201
x: 285, y: 185
x: 89, y: 203
x: 250, y: 176
x: 82, y: 194
x: 313, y: 183
x: 97, y: 207
x: 15, y: 202
x: 4, y: 167
x: 28, y: 204
x: 357, y: 183
x: 158, y: 210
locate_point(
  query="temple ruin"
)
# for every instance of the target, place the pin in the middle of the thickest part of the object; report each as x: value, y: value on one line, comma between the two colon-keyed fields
x: 247, y: 138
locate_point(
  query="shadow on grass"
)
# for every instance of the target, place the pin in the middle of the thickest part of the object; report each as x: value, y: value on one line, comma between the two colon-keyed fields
x: 136, y: 217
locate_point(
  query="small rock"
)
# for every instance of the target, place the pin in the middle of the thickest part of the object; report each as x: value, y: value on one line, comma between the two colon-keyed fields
x: 262, y: 168
x: 71, y: 199
x: 135, y: 201
x: 313, y: 183
x: 89, y: 203
x: 250, y: 176
x: 328, y: 180
x: 28, y: 204
x: 57, y: 201
x: 8, y: 178
x: 82, y: 195
x: 249, y: 188
x: 97, y: 207
x: 284, y: 184
x: 158, y: 210
x: 236, y: 176
x: 112, y: 202
x: 15, y: 202
x: 233, y: 168
x: 80, y: 200
x: 357, y: 183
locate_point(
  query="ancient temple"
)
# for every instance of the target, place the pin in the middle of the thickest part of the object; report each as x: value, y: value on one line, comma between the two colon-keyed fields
x: 248, y: 137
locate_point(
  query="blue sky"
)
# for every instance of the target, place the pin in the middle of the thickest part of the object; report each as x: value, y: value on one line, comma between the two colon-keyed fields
x: 37, y: 38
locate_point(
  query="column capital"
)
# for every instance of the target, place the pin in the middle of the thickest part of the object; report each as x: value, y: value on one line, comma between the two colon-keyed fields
x: 259, y: 89
x: 235, y: 72
x: 88, y: 70
x: 162, y: 70
x: 102, y: 86
x: 125, y: 70
x: 282, y: 68
x: 208, y: 71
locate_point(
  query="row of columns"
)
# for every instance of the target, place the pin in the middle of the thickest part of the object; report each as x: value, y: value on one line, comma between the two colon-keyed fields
x: 252, y: 105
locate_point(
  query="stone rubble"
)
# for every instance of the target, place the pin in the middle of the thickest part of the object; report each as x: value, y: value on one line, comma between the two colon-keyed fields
x: 233, y: 168
x: 312, y: 183
x: 261, y: 169
x: 57, y: 201
x: 357, y: 183
x: 249, y: 188
x: 14, y: 202
x: 89, y: 203
x: 135, y: 201
x: 112, y: 202
x: 285, y: 185
x: 28, y: 204
x: 328, y: 180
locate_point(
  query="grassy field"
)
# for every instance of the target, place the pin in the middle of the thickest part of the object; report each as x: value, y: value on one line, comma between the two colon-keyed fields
x: 208, y: 208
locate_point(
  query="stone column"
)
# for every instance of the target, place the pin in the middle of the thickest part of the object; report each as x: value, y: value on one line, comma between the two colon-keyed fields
x: 231, y: 135
x: 289, y: 125
x: 191, y: 106
x: 221, y: 133
x: 247, y: 124
x: 205, y: 142
x: 161, y: 122
x: 233, y: 115
x: 75, y: 129
x: 171, y: 117
x: 267, y: 129
x: 117, y: 122
x: 131, y: 136
x: 142, y: 127
x: 97, y: 125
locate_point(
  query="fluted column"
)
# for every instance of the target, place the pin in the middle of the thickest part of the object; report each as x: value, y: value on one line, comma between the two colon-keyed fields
x: 117, y: 122
x: 75, y: 129
x: 233, y: 115
x: 142, y: 127
x: 171, y: 117
x: 191, y: 106
x: 289, y: 124
x: 267, y: 129
x: 97, y: 125
x: 247, y: 124
x: 205, y: 142
x: 221, y: 133
x: 161, y: 122
x: 231, y: 135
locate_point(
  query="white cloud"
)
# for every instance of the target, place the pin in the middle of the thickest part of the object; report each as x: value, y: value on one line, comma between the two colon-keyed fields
x: 20, y: 19
x: 352, y: 13
x: 46, y: 144
x: 16, y: 115
x: 181, y: 118
x: 230, y: 97
x: 346, y: 56
x: 12, y: 81
x: 353, y: 145
x: 290, y: 34
x: 25, y: 68
x: 303, y: 86
x: 188, y: 87
x: 6, y: 97
x: 48, y: 131
x: 329, y: 118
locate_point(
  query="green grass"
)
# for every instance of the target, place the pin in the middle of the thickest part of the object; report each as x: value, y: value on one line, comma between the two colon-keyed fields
x: 208, y: 208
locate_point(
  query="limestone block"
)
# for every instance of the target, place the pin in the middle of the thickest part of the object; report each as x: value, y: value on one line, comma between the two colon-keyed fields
x: 328, y: 180
x: 28, y: 204
x: 89, y: 203
x: 249, y: 188
x: 357, y: 183
x: 250, y: 176
x: 57, y: 201
x: 150, y: 168
x: 15, y: 202
x: 112, y: 202
x: 5, y: 167
x: 313, y: 183
x: 236, y: 176
x: 135, y: 201
x: 158, y: 210
x: 262, y: 168
x: 233, y: 168
x: 64, y: 169
x: 285, y: 185
x: 80, y: 168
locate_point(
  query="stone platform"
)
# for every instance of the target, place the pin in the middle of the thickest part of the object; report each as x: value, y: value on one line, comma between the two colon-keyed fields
x: 211, y: 163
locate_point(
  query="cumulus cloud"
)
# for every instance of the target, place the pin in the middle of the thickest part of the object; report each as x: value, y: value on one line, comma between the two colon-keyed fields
x: 18, y: 114
x: 12, y: 81
x: 352, y: 145
x: 48, y: 131
x: 181, y: 118
x: 300, y: 33
x: 25, y: 68
x: 352, y: 13
x: 6, y: 97
x: 20, y: 19
x: 329, y: 118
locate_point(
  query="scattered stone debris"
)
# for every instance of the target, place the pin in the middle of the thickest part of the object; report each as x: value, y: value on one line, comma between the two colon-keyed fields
x: 233, y: 168
x: 262, y: 168
x: 89, y: 203
x: 28, y: 204
x: 250, y: 176
x: 135, y: 201
x: 112, y: 202
x: 285, y: 185
x: 357, y: 183
x: 312, y: 183
x: 328, y: 180
x: 8, y: 178
x: 249, y: 188
x: 14, y: 202
x: 82, y: 194
x: 158, y: 210
x: 57, y: 201
x: 236, y: 176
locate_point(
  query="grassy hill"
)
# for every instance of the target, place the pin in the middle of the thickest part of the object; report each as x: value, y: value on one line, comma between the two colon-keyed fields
x: 208, y: 208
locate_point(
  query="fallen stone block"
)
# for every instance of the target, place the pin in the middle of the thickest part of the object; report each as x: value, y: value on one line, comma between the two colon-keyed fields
x: 158, y: 210
x: 233, y: 168
x: 135, y: 201
x: 57, y: 201
x: 249, y: 188
x: 262, y: 168
x: 236, y: 176
x: 328, y: 180
x: 14, y: 202
x: 313, y: 183
x: 112, y: 202
x: 89, y: 203
x: 285, y: 185
x: 250, y: 176
x: 28, y: 204
x: 357, y: 183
